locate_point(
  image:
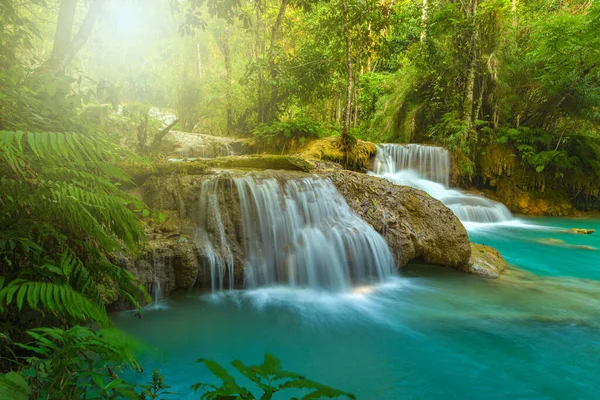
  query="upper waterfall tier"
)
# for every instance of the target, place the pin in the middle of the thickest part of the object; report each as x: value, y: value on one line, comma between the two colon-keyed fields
x: 300, y: 233
x: 428, y: 168
x: 429, y: 162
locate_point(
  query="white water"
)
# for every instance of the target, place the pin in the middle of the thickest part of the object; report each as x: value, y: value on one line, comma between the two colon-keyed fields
x: 211, y: 237
x: 428, y: 168
x: 300, y: 234
x: 155, y: 289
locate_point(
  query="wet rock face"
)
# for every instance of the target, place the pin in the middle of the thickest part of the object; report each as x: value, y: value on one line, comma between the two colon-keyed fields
x: 197, y: 145
x: 485, y: 261
x: 416, y: 226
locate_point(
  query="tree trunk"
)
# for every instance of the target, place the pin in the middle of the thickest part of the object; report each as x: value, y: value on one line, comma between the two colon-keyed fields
x: 64, y: 51
x: 355, y: 97
x: 259, y: 76
x: 64, y: 28
x: 470, y: 86
x: 161, y: 135
x: 227, y: 57
x: 346, y: 129
x: 513, y: 9
x: 272, y: 107
x: 424, y: 14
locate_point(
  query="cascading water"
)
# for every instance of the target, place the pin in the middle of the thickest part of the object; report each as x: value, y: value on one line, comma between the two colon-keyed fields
x: 306, y: 235
x: 211, y: 237
x: 300, y: 233
x: 428, y: 168
x: 155, y: 289
x: 432, y: 163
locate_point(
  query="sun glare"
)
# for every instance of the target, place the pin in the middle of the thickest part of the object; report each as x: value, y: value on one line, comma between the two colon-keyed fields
x: 127, y: 15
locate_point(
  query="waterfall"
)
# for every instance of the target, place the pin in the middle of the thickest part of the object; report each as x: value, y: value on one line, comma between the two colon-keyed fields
x: 300, y: 233
x: 432, y: 163
x: 428, y: 168
x: 155, y: 289
x: 211, y: 237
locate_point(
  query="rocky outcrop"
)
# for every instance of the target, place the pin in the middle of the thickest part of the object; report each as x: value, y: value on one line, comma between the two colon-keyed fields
x: 503, y: 176
x: 359, y: 157
x: 197, y: 145
x: 416, y: 226
x: 263, y: 162
x: 168, y: 263
x: 485, y: 261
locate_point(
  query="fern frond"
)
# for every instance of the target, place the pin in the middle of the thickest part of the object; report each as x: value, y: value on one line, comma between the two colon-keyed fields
x: 60, y: 298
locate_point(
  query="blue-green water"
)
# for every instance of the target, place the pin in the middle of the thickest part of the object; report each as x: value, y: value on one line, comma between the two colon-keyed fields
x: 431, y: 333
x: 529, y: 248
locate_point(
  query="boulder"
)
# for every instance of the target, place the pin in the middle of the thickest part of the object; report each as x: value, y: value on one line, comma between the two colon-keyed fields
x: 485, y: 261
x: 417, y: 227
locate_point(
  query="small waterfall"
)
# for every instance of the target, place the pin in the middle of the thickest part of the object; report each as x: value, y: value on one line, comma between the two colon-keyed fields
x: 192, y: 146
x: 429, y: 162
x: 155, y: 290
x: 306, y: 235
x: 300, y: 233
x: 211, y: 237
x: 428, y: 168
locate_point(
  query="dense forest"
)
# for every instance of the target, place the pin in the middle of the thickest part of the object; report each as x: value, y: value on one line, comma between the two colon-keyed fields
x: 511, y: 88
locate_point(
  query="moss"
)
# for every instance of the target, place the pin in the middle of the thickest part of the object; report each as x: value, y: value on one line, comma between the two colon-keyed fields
x: 502, y: 176
x: 485, y: 261
x: 262, y: 161
x: 358, y: 157
x: 141, y: 172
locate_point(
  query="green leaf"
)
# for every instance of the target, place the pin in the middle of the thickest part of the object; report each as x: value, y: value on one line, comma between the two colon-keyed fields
x: 13, y: 386
x: 218, y: 371
x: 271, y: 364
x: 21, y: 295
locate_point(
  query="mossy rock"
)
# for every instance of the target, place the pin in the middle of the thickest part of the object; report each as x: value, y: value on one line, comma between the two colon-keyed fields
x: 485, y: 261
x: 141, y: 172
x: 262, y: 161
x: 358, y: 156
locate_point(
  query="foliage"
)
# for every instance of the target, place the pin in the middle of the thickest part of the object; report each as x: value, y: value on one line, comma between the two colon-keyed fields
x: 527, y: 78
x: 153, y: 390
x: 62, y: 212
x: 268, y: 377
x: 75, y: 363
x: 286, y: 135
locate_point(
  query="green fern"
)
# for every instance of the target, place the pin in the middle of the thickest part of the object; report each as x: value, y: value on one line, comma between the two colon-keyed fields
x: 75, y: 363
x: 62, y: 214
x: 59, y: 298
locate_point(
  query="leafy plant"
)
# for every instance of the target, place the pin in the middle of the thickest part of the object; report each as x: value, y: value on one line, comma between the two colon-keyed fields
x: 73, y: 363
x: 286, y: 135
x: 270, y: 379
x: 156, y: 388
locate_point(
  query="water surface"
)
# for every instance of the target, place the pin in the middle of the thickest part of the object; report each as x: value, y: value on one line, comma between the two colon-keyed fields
x: 431, y: 333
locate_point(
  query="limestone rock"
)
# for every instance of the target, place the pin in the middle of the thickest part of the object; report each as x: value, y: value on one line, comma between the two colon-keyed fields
x: 416, y: 226
x: 485, y: 261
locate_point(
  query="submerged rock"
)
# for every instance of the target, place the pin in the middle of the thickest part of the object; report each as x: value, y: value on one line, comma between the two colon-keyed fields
x: 485, y: 261
x: 561, y: 243
x: 580, y: 231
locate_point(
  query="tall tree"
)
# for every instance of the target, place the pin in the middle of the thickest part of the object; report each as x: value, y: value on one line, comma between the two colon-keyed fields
x: 348, y: 109
x: 65, y: 47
